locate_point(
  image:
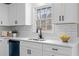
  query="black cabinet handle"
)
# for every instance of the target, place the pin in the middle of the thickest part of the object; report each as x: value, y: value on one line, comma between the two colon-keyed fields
x: 62, y: 18
x: 1, y: 22
x: 16, y: 22
x: 54, y: 49
x: 59, y: 18
x: 28, y: 51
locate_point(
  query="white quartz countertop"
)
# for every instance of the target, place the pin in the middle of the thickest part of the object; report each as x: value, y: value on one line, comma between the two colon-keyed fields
x: 53, y: 41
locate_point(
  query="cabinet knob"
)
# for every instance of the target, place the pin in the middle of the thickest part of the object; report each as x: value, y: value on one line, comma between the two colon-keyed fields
x: 62, y: 18
x: 16, y: 22
x: 59, y: 18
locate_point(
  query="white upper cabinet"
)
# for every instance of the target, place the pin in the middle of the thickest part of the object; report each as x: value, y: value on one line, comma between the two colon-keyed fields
x: 24, y: 12
x: 20, y: 14
x: 71, y: 14
x: 12, y: 14
x: 65, y: 13
x: 28, y: 13
x: 3, y: 15
x: 58, y: 11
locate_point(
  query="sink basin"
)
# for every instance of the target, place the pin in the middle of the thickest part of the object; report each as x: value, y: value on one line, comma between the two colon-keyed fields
x: 37, y: 39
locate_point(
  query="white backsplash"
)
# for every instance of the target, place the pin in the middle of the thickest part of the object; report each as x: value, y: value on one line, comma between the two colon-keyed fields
x: 66, y: 28
x: 69, y: 29
x: 23, y: 31
x: 26, y: 31
x: 4, y: 28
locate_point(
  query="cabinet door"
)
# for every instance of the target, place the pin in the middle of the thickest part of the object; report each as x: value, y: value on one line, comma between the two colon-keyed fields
x: 3, y: 15
x: 4, y: 51
x: 58, y: 12
x: 24, y: 12
x: 1, y: 49
x: 5, y: 47
x: 29, y: 51
x: 71, y: 13
x: 21, y: 13
x: 65, y: 13
x: 13, y: 14
x: 33, y: 52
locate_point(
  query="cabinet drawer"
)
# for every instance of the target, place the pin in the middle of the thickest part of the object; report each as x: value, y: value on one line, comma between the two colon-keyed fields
x: 48, y: 53
x: 57, y: 49
x: 31, y: 44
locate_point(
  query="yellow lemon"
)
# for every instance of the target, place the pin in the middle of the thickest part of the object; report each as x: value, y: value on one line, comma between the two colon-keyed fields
x: 64, y: 38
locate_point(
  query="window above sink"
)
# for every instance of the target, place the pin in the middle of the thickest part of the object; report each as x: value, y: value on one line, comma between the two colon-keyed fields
x: 43, y: 17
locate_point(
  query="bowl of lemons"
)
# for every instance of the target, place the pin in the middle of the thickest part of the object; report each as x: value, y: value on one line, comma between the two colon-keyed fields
x: 65, y: 38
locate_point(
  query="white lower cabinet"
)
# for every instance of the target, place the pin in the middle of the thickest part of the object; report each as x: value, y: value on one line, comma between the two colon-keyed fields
x: 1, y: 49
x: 41, y: 49
x: 58, y: 50
x: 30, y: 49
x: 27, y: 51
x: 4, y: 49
